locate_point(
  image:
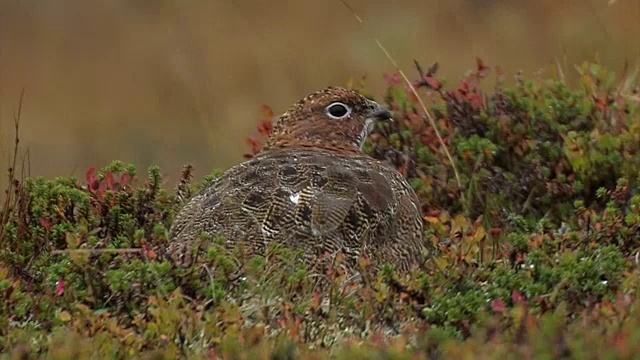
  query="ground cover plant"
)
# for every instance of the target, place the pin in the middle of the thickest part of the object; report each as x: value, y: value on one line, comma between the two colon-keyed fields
x: 534, y: 231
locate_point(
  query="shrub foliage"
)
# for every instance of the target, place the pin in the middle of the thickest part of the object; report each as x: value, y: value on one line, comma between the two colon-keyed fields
x: 534, y: 229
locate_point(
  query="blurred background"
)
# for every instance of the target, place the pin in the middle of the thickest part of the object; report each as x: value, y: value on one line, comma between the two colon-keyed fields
x: 176, y: 82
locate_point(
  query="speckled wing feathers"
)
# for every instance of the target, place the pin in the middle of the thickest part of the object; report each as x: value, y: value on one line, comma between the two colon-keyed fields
x: 313, y: 200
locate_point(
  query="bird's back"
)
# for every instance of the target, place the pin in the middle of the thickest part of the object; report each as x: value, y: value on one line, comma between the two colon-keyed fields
x: 310, y: 199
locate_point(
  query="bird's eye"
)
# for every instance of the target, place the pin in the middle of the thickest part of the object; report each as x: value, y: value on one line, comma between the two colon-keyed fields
x: 338, y: 110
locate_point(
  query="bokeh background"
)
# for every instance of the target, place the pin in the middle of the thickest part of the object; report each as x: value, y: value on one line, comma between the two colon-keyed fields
x: 175, y: 82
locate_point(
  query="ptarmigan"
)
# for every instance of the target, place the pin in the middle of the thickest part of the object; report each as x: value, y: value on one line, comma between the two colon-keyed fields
x: 312, y: 188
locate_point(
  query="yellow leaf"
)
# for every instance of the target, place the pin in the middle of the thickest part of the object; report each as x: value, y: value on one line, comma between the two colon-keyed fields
x: 432, y: 219
x: 83, y: 308
x: 72, y: 240
x: 517, y: 313
x: 79, y: 258
x: 479, y: 235
x: 64, y: 316
x: 441, y: 262
x: 459, y: 224
x: 444, y: 217
x: 427, y: 181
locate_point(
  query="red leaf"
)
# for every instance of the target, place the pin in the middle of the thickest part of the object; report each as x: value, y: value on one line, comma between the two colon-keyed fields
x: 109, y: 179
x: 265, y: 127
x: 148, y: 251
x: 101, y: 188
x: 44, y: 222
x: 316, y: 300
x: 469, y: 84
x: 517, y: 297
x: 90, y: 175
x: 483, y: 69
x: 60, y: 287
x: 125, y: 179
x: 475, y: 100
x: 267, y: 111
x: 600, y: 103
x: 432, y: 82
x: 252, y: 142
x: 94, y: 185
x: 255, y: 145
x: 464, y: 86
x: 498, y: 305
x: 393, y: 78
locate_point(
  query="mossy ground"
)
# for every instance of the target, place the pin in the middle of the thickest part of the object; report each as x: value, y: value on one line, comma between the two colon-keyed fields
x: 534, y: 231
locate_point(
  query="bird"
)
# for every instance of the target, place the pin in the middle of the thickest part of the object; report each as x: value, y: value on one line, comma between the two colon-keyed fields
x: 312, y: 188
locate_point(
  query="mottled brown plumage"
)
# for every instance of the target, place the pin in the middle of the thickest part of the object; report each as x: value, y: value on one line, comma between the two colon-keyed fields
x: 312, y: 188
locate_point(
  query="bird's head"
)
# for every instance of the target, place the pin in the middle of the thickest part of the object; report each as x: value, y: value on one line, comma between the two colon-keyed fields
x: 335, y: 119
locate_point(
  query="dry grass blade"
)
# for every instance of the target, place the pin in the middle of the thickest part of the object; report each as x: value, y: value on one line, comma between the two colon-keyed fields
x: 628, y: 81
x: 7, y: 205
x: 415, y: 93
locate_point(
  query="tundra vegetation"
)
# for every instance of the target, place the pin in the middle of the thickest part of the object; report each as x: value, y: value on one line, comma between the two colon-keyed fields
x: 533, y: 225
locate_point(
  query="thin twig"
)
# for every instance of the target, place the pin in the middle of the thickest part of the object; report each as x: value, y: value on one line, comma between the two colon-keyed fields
x: 560, y: 71
x: 632, y: 98
x: 7, y: 209
x: 16, y: 124
x: 96, y: 251
x: 415, y: 93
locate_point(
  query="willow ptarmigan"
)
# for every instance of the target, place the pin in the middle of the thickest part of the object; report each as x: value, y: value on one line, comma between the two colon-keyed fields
x: 312, y: 188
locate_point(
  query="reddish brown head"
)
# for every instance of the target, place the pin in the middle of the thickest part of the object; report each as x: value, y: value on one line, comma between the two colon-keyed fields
x: 334, y: 118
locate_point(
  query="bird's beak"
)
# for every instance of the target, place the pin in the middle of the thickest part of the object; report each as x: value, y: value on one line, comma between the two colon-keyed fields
x: 379, y: 112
